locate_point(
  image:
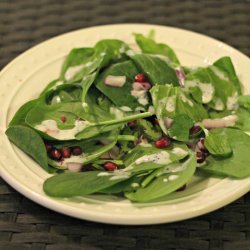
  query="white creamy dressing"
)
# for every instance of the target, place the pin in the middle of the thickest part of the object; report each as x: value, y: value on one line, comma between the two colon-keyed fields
x: 162, y: 157
x: 103, y: 174
x: 84, y: 105
x: 186, y: 100
x: 125, y: 109
x: 72, y: 71
x: 116, y: 112
x: 50, y: 127
x: 172, y: 177
x: 119, y: 174
x: 58, y: 83
x: 135, y: 185
x: 218, y: 104
x: 219, y: 73
x: 74, y: 159
x: 151, y: 109
x: 224, y: 122
x: 170, y: 104
x: 140, y: 109
x: 179, y: 151
x: 145, y: 145
x: 232, y: 101
x: 207, y: 89
x: 140, y: 95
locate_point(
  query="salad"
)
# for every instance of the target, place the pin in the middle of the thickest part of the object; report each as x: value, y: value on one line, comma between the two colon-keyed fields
x: 135, y: 123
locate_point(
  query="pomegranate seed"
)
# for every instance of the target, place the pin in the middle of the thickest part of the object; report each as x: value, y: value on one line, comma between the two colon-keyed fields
x: 76, y: 151
x: 66, y: 152
x: 182, y: 188
x: 132, y: 123
x: 201, y: 145
x: 162, y: 142
x: 110, y: 166
x: 63, y: 118
x: 200, y: 157
x: 146, y: 85
x: 140, y: 77
x: 48, y: 146
x: 195, y: 130
x: 55, y: 154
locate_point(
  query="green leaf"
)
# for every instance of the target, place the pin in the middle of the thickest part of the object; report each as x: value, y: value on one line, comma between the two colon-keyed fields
x: 149, y: 130
x: 141, y: 158
x: 226, y: 65
x: 156, y: 69
x: 244, y: 101
x: 20, y: 115
x: 76, y: 57
x: 120, y: 96
x: 216, y: 144
x: 172, y: 177
x: 180, y: 127
x: 238, y: 164
x: 149, y: 46
x: 170, y: 101
x: 30, y: 142
x: 78, y: 184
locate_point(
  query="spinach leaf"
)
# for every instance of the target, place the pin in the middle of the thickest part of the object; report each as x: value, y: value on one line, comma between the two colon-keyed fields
x: 180, y: 127
x: 149, y: 130
x: 171, y: 178
x: 20, y: 115
x: 141, y: 159
x: 211, y: 85
x: 237, y: 165
x: 30, y: 142
x: 216, y: 144
x: 170, y: 101
x: 225, y: 64
x: 120, y: 96
x: 244, y: 101
x: 149, y: 46
x: 78, y: 184
x: 156, y: 69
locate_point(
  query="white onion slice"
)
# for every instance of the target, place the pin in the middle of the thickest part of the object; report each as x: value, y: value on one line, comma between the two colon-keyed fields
x: 115, y: 81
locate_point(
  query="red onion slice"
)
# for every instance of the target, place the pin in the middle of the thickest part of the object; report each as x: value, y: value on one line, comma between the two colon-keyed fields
x: 181, y: 77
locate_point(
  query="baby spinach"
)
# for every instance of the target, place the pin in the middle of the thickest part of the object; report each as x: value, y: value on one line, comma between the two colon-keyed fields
x: 156, y: 69
x: 237, y: 165
x: 216, y: 144
x: 120, y: 96
x: 165, y: 183
x: 179, y: 130
x: 30, y: 142
x: 149, y: 46
x: 78, y: 184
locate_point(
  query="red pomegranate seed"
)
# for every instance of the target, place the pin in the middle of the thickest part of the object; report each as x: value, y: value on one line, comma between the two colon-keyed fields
x: 110, y: 166
x: 195, y: 130
x: 66, y: 152
x: 200, y: 157
x: 163, y: 142
x: 146, y: 85
x: 76, y: 151
x: 63, y: 118
x: 55, y: 154
x: 140, y: 77
x: 182, y: 188
x: 48, y: 146
x: 132, y: 123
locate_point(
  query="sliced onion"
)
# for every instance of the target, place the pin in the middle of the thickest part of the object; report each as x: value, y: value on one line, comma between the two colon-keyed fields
x: 168, y: 122
x: 224, y: 122
x: 181, y: 76
x: 115, y: 81
x: 74, y: 166
x: 141, y: 85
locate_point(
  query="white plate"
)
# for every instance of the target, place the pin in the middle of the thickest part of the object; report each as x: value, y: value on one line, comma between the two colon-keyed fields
x: 27, y: 75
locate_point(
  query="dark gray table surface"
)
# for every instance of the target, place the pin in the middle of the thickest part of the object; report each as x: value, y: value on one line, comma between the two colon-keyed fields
x: 26, y: 225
